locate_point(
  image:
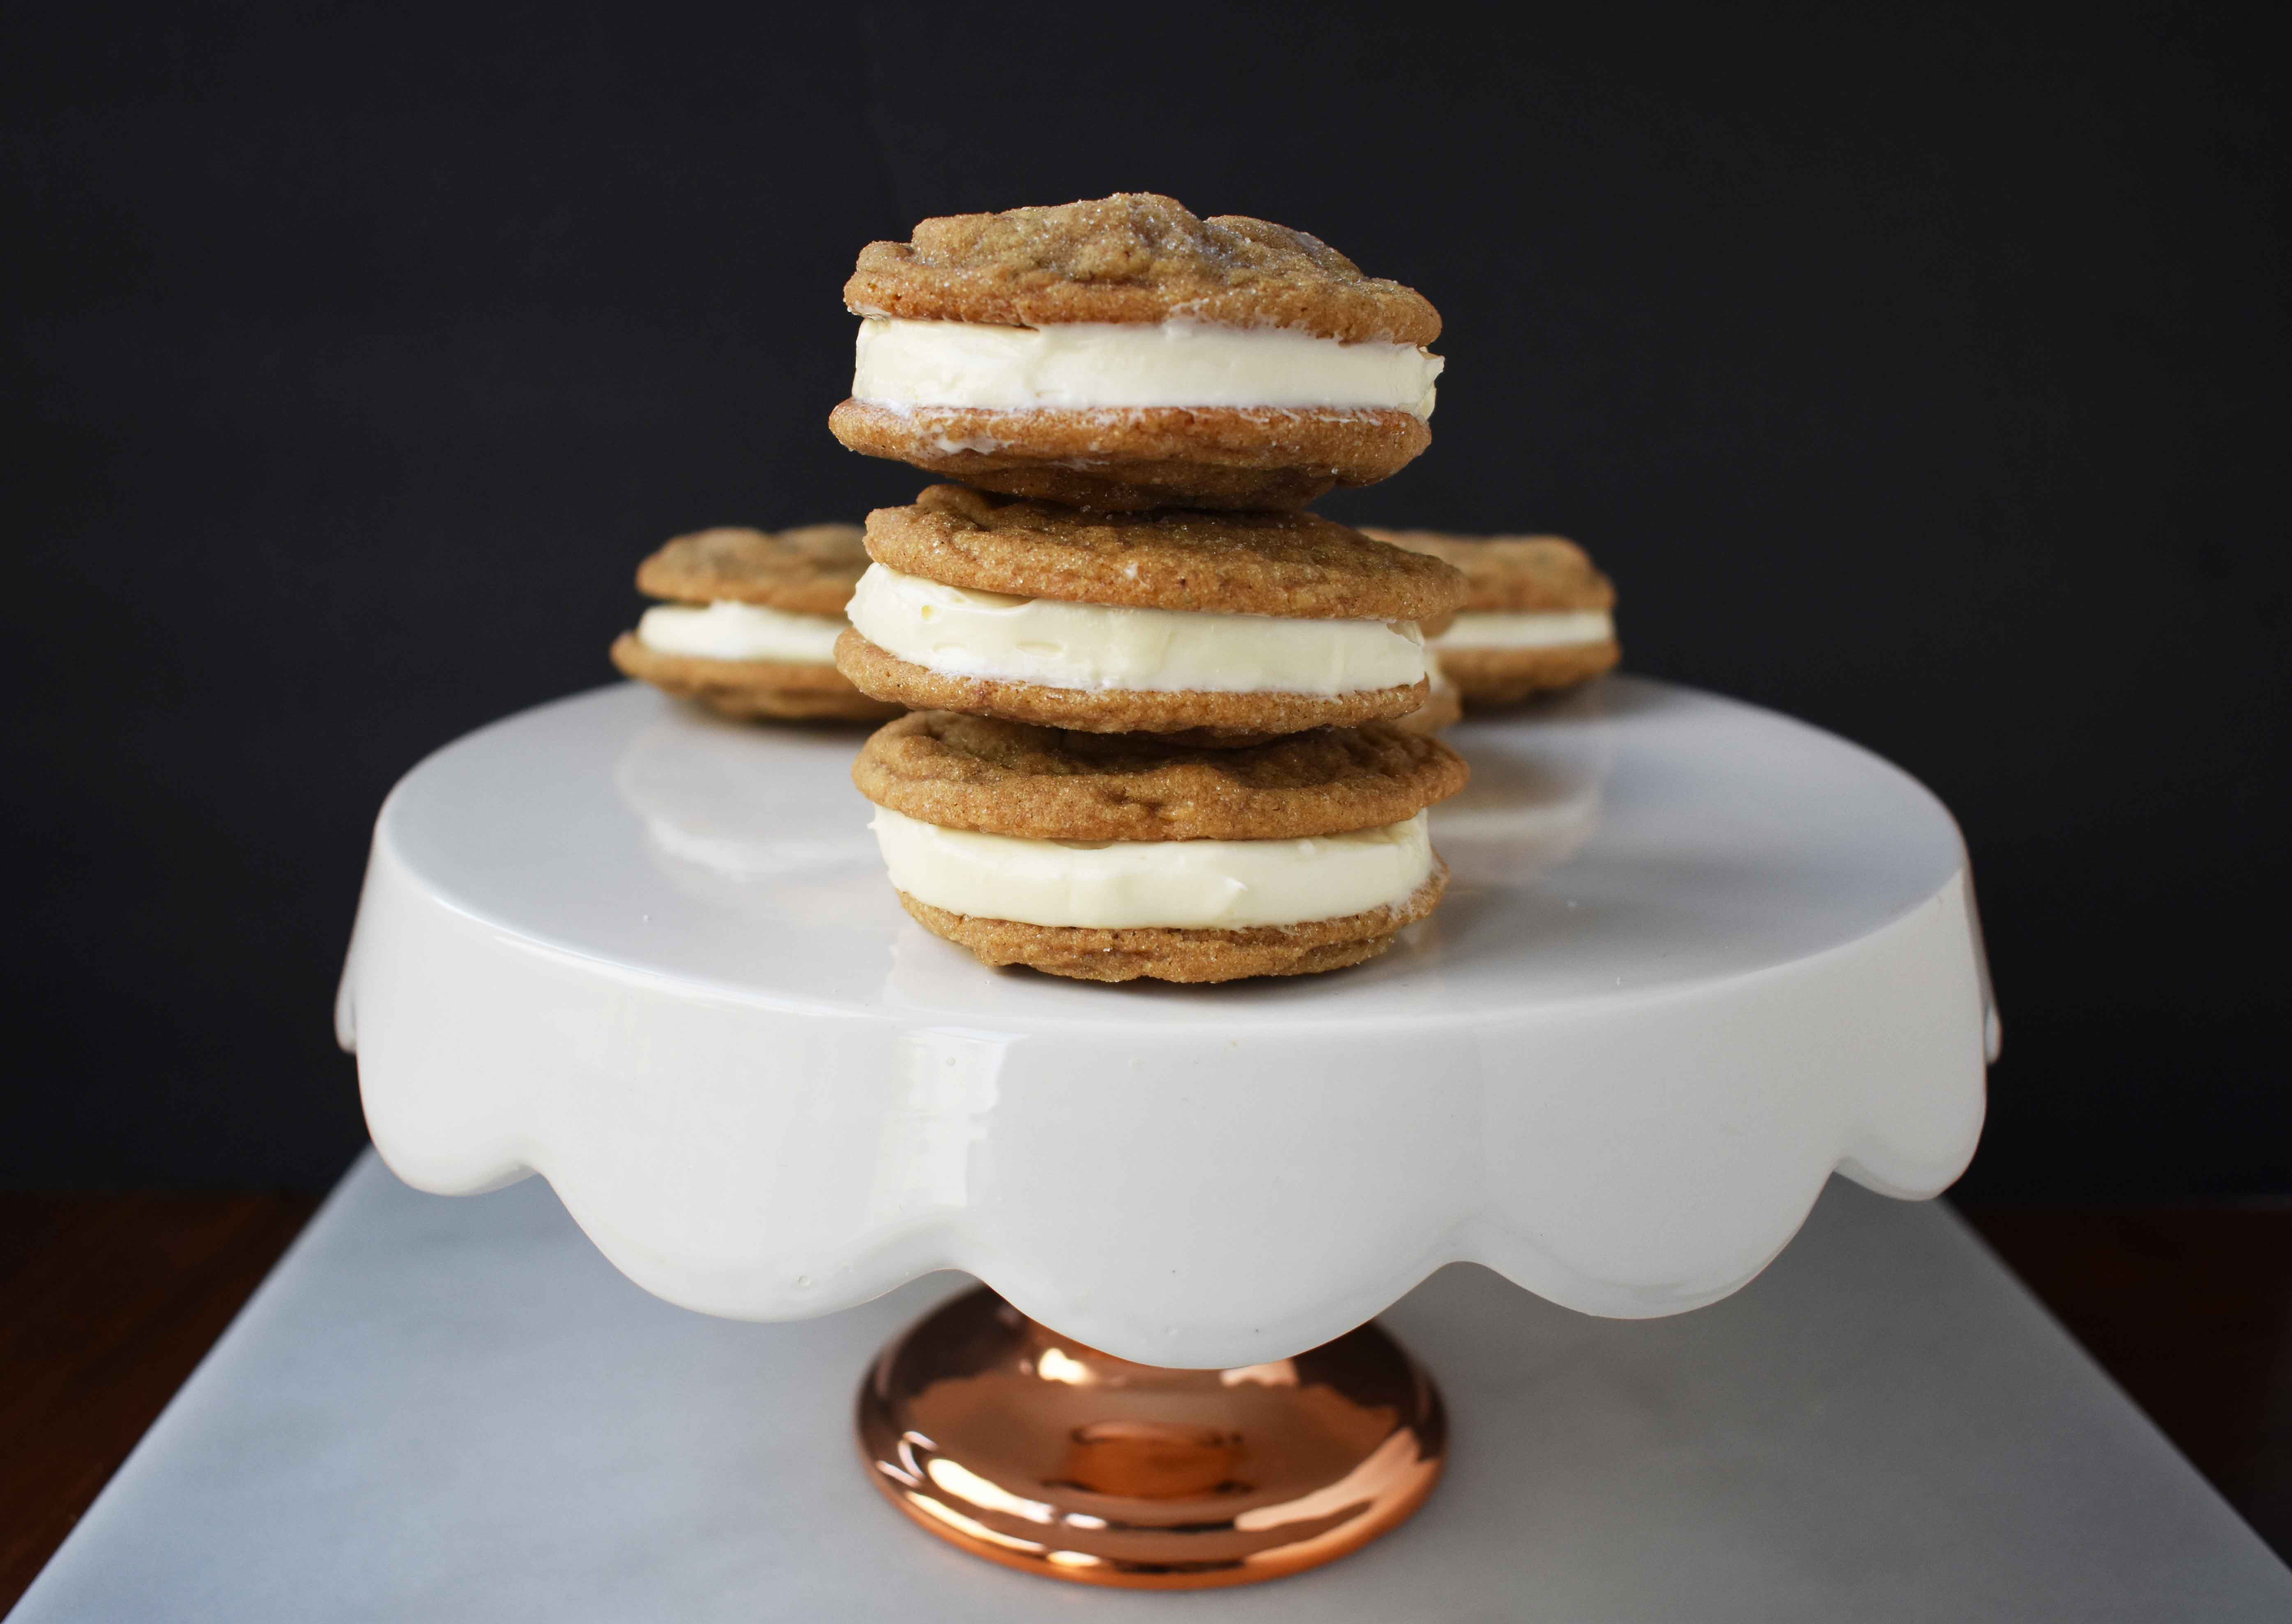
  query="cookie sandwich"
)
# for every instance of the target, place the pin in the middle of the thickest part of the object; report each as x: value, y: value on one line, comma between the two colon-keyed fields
x: 750, y: 622
x: 1123, y: 354
x: 1221, y: 627
x: 1536, y: 617
x: 1108, y: 858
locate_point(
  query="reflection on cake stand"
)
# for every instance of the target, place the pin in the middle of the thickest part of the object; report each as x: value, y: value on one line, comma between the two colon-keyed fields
x: 1697, y: 956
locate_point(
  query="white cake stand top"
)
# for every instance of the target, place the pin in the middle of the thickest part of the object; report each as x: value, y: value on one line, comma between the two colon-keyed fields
x: 1696, y: 957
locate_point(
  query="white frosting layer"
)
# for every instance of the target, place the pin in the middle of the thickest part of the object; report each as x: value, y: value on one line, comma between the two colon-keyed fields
x: 1099, y: 646
x: 726, y: 630
x: 1557, y: 629
x: 1184, y: 884
x: 1106, y: 363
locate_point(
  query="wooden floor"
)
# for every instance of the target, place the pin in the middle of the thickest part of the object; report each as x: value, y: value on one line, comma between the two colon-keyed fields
x: 108, y: 1301
x: 2190, y: 1308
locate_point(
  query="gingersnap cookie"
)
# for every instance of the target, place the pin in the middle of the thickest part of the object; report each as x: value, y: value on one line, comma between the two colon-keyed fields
x: 1443, y: 706
x: 1536, y: 619
x: 751, y: 624
x: 1219, y: 626
x: 1123, y: 354
x: 1108, y: 858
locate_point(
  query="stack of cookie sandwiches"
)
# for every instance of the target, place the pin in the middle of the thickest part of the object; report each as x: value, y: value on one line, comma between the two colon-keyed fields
x: 751, y: 622
x: 1157, y: 704
x: 1537, y: 618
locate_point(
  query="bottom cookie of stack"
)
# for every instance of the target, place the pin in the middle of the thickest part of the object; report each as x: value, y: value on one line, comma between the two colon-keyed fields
x: 1114, y: 856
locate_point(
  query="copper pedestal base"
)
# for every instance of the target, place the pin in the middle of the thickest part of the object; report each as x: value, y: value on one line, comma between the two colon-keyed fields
x: 1028, y: 1449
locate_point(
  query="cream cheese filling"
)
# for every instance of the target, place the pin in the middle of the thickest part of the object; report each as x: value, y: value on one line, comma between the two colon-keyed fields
x: 1177, y: 884
x: 728, y: 630
x: 1101, y: 647
x: 1087, y: 364
x: 1552, y: 629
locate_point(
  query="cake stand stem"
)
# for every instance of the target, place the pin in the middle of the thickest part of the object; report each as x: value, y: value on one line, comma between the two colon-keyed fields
x: 1029, y: 1448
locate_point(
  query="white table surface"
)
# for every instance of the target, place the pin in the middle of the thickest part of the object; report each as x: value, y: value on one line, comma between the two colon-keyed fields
x: 444, y: 1409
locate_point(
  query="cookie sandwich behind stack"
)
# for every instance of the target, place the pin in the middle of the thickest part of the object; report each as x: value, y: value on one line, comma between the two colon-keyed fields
x: 1537, y: 619
x: 750, y: 622
x: 1157, y: 732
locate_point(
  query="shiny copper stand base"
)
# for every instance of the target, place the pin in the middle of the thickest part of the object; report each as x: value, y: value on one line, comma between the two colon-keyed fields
x: 1028, y: 1449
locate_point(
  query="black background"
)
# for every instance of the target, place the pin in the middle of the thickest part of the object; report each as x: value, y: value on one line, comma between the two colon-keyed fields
x: 1919, y: 374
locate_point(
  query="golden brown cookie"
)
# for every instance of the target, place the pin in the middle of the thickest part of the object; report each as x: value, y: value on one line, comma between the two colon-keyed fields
x: 808, y: 571
x: 1489, y: 677
x: 1134, y: 256
x: 1125, y: 458
x: 1443, y: 706
x: 1137, y: 259
x: 1086, y: 954
x: 1039, y: 783
x: 1085, y: 792
x: 752, y: 690
x: 1523, y: 576
x: 1237, y: 718
x: 1293, y: 565
x: 1508, y: 574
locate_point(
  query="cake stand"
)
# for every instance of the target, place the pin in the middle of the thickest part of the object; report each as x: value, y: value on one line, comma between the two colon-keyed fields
x: 1696, y: 957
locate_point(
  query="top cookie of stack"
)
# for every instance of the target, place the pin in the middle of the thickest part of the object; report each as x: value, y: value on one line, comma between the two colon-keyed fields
x: 1144, y: 399
x: 1122, y: 354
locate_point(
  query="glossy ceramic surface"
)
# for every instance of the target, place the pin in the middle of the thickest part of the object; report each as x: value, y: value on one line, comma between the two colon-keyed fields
x: 1016, y: 1442
x: 1696, y: 955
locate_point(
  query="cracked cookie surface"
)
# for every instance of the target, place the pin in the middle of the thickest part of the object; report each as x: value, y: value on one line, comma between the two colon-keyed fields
x: 1132, y: 257
x: 1512, y: 574
x: 1290, y: 565
x: 808, y: 570
x: 1040, y: 783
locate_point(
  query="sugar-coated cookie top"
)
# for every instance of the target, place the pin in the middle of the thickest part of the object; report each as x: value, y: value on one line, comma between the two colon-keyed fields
x: 808, y: 570
x: 1134, y: 256
x: 1296, y: 565
x: 1040, y: 783
x: 1514, y: 574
